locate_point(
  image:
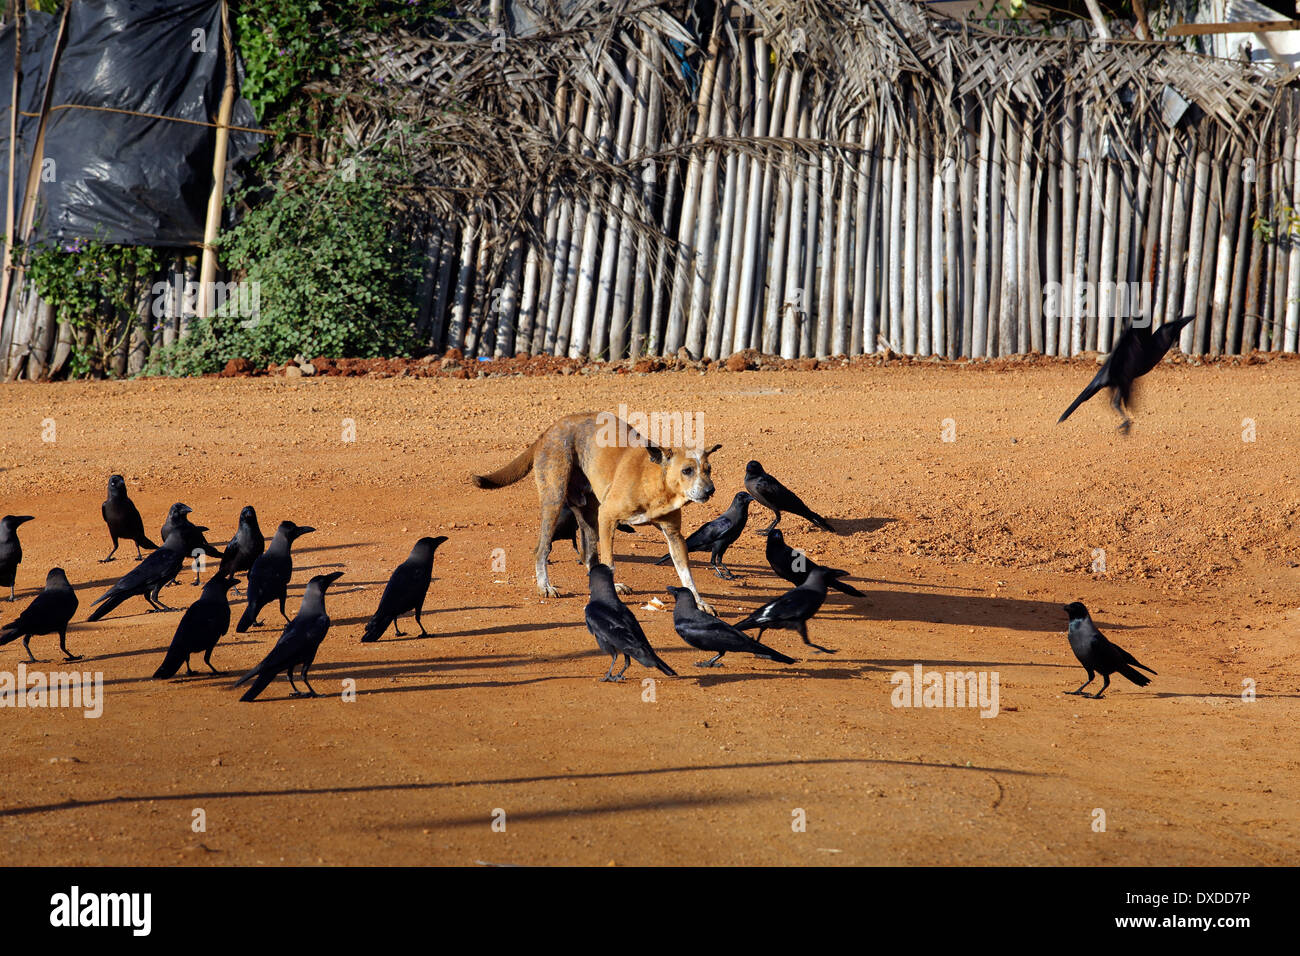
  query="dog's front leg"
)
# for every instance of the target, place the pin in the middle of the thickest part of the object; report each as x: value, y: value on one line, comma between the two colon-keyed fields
x: 677, y: 550
x: 606, y: 522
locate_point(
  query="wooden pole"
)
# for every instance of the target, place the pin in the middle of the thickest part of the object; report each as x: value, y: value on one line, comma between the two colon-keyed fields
x: 704, y: 252
x: 910, y: 230
x: 1069, y: 222
x: 208, y: 267
x: 921, y: 278
x: 11, y: 348
x: 641, y: 279
x: 1209, y: 253
x: 1029, y: 334
x: 1229, y: 226
x: 794, y: 307
x: 5, y: 275
x: 843, y: 261
x: 750, y: 247
x: 1052, y: 323
x: 1184, y: 185
x: 978, y: 344
x: 968, y: 177
x: 824, y: 248
x: 1243, y: 255
x: 1007, y: 315
x: 861, y: 212
x: 1077, y: 285
x: 1200, y: 197
x: 996, y: 224
x: 791, y: 81
x: 620, y: 322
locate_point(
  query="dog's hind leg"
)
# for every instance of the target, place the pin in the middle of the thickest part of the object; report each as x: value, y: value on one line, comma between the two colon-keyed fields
x: 551, y: 467
x: 551, y: 511
x: 605, y: 522
x: 588, y: 518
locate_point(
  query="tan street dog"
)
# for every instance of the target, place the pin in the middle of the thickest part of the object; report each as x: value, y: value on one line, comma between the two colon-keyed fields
x: 607, y: 472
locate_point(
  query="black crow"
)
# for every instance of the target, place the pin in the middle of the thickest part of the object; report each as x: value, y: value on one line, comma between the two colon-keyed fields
x: 794, y: 566
x: 770, y: 493
x: 178, y: 519
x: 405, y: 591
x: 123, y: 519
x: 298, y: 644
x: 615, y: 628
x: 719, y: 534
x: 268, y: 579
x: 245, y: 547
x: 1096, y: 653
x: 11, y: 551
x: 1137, y: 352
x: 704, y: 632
x: 791, y: 611
x: 146, y: 579
x: 49, y: 613
x: 203, y: 624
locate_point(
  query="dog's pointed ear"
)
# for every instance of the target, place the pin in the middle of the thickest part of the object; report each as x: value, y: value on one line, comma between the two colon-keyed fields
x: 711, y: 450
x: 657, y: 454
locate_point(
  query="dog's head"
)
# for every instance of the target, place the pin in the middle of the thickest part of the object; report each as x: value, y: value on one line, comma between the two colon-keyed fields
x: 687, y: 471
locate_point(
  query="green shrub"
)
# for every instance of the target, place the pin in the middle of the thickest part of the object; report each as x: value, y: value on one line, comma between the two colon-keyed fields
x: 329, y: 280
x: 95, y: 287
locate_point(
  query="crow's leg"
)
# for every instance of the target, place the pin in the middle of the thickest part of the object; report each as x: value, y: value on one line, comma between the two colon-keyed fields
x: 311, y: 691
x: 1117, y: 403
x: 713, y: 662
x: 1079, y: 689
x: 802, y: 631
x: 609, y: 674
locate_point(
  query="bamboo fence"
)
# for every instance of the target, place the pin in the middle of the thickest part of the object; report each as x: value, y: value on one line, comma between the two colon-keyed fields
x: 828, y: 178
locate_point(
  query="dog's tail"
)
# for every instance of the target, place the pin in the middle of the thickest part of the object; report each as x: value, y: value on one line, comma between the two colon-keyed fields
x: 509, y: 474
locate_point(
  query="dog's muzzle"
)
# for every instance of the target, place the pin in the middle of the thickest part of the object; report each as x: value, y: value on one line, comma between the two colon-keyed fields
x: 701, y: 496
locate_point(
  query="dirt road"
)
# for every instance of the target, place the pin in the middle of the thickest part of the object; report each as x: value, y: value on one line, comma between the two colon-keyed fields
x: 966, y: 548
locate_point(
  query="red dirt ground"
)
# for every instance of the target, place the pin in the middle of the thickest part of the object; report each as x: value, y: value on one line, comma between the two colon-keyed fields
x: 966, y: 550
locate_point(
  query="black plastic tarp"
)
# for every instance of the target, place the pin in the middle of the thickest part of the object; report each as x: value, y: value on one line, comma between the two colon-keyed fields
x: 107, y: 174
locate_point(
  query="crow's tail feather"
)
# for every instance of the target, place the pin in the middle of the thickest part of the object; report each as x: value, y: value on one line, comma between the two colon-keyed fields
x: 1095, y: 386
x: 248, y: 617
x: 259, y: 685
x: 171, y: 663
x: 846, y: 588
x: 1135, y: 676
x: 111, y: 601
x: 658, y: 662
x: 768, y: 654
x: 375, y: 627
